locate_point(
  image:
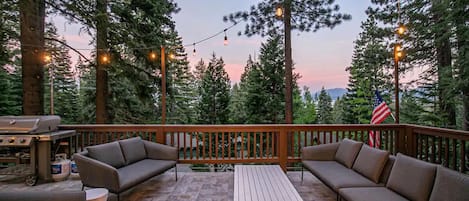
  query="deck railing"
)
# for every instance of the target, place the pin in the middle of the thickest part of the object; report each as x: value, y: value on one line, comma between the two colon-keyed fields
x: 282, y: 143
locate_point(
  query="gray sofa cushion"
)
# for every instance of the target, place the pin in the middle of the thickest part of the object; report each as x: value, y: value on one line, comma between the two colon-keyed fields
x: 336, y: 176
x: 109, y: 153
x: 412, y: 178
x: 140, y: 171
x: 370, y: 194
x: 133, y: 150
x: 347, y: 152
x: 387, y: 170
x: 370, y: 162
x: 450, y: 185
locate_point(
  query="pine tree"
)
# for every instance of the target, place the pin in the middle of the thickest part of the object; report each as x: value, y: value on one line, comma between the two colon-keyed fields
x: 368, y: 72
x: 324, y: 107
x: 338, y: 111
x: 61, y: 77
x: 181, y: 91
x: 306, y: 114
x: 214, y: 93
x: 10, y: 64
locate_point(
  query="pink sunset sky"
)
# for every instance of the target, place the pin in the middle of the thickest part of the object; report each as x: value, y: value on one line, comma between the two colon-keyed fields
x: 320, y: 57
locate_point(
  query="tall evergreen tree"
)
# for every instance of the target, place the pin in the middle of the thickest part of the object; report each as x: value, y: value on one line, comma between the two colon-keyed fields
x: 10, y: 63
x: 369, y: 71
x: 61, y: 77
x: 306, y: 114
x: 338, y: 111
x: 181, y: 91
x: 262, y: 21
x: 215, y: 94
x: 324, y: 107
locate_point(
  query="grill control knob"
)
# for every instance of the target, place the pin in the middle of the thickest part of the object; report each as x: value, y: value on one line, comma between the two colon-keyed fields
x: 11, y: 140
x: 23, y: 140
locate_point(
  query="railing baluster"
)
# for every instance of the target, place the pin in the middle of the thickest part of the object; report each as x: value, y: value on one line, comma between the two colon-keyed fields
x: 440, y: 149
x: 463, y: 156
x: 255, y: 145
x: 453, y: 146
x: 242, y: 145
x: 446, y: 152
x: 203, y: 145
x: 261, y: 147
x: 433, y: 144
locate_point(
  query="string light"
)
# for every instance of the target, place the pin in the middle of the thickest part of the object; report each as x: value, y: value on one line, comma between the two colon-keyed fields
x: 172, y: 56
x: 105, y: 58
x: 193, y: 51
x: 46, y: 57
x: 225, y: 42
x: 152, y: 56
x: 279, y: 11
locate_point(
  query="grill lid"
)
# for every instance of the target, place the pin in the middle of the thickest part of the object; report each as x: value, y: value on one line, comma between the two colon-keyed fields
x: 28, y: 124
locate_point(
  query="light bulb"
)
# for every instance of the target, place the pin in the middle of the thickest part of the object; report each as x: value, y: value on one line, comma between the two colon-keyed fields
x: 152, y: 55
x: 225, y: 42
x: 193, y: 52
x: 47, y: 58
x: 279, y: 11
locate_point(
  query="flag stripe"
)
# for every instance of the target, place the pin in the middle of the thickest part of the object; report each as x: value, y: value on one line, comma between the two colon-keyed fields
x: 380, y: 112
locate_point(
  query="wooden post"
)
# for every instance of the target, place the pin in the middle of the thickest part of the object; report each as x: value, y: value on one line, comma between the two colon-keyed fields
x: 163, y: 87
x: 401, y: 140
x: 283, y: 149
x: 160, y: 135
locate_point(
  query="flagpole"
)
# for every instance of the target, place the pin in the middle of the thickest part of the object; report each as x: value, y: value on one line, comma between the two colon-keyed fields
x: 392, y: 115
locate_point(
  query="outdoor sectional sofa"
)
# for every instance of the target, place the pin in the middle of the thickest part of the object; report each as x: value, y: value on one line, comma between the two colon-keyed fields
x: 357, y: 172
x: 121, y: 165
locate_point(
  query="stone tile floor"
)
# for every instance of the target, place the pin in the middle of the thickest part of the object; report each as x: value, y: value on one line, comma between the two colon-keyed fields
x: 191, y: 186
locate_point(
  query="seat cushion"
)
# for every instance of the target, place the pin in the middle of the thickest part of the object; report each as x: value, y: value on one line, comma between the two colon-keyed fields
x: 140, y: 171
x: 336, y: 176
x: 109, y: 153
x: 347, y: 152
x: 412, y: 178
x: 133, y: 150
x: 370, y: 162
x: 450, y: 185
x: 370, y: 194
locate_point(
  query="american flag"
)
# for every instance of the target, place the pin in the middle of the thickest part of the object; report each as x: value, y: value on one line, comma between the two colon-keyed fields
x: 380, y: 112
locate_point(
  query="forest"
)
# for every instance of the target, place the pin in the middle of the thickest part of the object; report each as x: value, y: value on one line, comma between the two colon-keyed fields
x: 127, y: 90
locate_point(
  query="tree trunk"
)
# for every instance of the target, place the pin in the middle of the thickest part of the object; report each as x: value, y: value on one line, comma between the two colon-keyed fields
x: 32, y: 14
x: 288, y: 64
x: 444, y: 64
x: 102, y: 115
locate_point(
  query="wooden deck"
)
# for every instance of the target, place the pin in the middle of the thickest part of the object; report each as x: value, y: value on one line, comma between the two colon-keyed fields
x: 263, y: 183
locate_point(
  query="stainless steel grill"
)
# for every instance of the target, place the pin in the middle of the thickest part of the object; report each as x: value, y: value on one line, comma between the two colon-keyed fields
x: 39, y: 134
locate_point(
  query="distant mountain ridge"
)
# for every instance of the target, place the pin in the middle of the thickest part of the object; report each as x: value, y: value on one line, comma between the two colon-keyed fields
x: 334, y: 93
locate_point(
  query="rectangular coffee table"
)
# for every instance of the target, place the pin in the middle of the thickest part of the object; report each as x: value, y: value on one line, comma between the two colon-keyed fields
x: 263, y: 183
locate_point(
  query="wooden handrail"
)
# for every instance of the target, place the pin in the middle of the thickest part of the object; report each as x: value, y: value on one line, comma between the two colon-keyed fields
x: 282, y: 143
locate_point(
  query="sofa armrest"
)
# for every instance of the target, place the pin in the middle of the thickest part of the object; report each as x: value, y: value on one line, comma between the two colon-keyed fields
x: 160, y: 151
x: 94, y: 173
x: 323, y: 152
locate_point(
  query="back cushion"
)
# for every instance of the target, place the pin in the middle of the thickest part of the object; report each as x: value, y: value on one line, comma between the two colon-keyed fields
x: 412, y: 178
x: 133, y: 150
x: 109, y: 153
x: 387, y: 170
x: 370, y: 162
x: 347, y: 152
x: 450, y: 185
